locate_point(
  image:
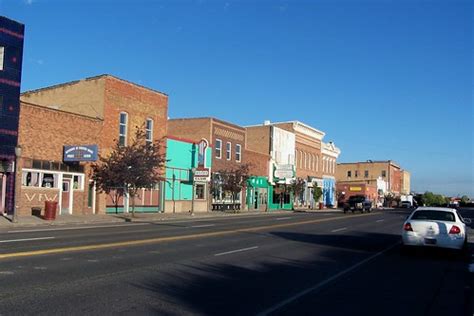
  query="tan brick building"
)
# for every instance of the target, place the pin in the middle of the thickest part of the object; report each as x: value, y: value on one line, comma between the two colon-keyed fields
x: 94, y: 111
x: 385, y: 175
x: 405, y: 188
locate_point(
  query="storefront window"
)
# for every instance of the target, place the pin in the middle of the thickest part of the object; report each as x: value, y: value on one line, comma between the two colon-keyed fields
x: 49, y: 180
x: 30, y: 179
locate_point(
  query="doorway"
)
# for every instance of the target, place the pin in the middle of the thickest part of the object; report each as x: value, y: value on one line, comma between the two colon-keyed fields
x: 66, y: 197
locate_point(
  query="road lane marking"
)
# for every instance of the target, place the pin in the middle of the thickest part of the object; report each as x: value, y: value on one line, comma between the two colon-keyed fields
x: 171, y: 238
x: 26, y: 239
x: 380, y: 220
x: 282, y: 218
x: 234, y: 251
x: 325, y: 282
x: 200, y: 226
x: 338, y: 230
x: 74, y: 228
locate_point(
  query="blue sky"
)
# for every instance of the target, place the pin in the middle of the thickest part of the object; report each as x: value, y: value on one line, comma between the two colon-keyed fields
x: 384, y: 79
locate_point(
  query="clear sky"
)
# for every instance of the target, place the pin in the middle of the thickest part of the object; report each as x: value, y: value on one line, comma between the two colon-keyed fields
x: 384, y: 79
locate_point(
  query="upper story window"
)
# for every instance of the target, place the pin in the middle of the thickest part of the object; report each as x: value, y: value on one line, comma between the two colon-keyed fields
x: 384, y: 173
x: 349, y: 174
x: 149, y: 130
x: 123, y: 129
x: 356, y: 173
x: 238, y: 153
x: 228, y: 151
x: 2, y: 54
x: 366, y: 173
x: 218, y: 149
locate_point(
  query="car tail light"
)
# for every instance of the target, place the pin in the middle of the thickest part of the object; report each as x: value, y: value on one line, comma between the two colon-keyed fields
x: 407, y: 227
x: 454, y: 230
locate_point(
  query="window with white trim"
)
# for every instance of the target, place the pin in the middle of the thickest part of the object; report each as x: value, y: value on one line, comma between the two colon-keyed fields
x: 228, y: 151
x: 218, y: 148
x: 238, y: 153
x: 123, y: 129
x: 2, y: 54
x: 149, y: 130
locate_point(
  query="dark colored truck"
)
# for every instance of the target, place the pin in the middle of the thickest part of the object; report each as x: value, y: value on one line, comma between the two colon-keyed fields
x: 358, y: 203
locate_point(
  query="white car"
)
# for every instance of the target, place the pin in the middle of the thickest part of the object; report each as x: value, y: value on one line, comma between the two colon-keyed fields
x: 435, y: 227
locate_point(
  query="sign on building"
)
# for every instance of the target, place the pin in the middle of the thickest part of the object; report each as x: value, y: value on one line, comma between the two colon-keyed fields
x: 80, y: 153
x: 202, y: 146
x: 283, y: 171
x: 202, y: 175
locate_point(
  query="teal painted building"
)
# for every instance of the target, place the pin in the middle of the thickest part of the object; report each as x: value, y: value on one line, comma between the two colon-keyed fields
x: 182, y: 156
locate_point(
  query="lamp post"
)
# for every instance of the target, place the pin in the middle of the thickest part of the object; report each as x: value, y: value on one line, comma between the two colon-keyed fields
x: 15, y: 198
x: 193, y: 171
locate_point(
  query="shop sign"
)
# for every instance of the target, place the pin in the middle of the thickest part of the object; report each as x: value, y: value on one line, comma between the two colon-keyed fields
x: 258, y: 182
x: 202, y: 175
x: 80, y: 153
x: 283, y: 171
x: 354, y: 189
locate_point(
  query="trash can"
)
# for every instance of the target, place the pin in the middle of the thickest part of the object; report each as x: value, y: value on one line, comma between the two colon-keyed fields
x: 321, y: 205
x: 50, y: 208
x: 36, y: 211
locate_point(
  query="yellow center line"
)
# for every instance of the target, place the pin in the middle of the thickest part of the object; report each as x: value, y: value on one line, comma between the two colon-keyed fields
x: 165, y: 239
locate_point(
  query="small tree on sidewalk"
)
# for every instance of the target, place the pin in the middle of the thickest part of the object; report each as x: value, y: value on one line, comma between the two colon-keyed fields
x: 234, y: 180
x: 127, y: 169
x: 297, y: 186
x: 317, y: 193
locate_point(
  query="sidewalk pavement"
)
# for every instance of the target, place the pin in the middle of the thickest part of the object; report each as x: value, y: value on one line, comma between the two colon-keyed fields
x: 31, y: 221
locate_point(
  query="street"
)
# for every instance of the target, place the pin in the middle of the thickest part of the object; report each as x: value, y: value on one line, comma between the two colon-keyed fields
x: 326, y: 263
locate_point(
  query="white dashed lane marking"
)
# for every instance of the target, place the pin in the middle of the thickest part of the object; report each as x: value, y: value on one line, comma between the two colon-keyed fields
x: 338, y: 230
x: 26, y: 239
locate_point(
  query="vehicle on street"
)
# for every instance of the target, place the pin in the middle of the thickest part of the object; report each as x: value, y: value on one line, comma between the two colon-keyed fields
x: 358, y: 203
x: 435, y: 227
x: 405, y: 204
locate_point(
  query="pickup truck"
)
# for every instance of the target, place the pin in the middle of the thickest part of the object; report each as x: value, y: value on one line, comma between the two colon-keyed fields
x: 358, y: 203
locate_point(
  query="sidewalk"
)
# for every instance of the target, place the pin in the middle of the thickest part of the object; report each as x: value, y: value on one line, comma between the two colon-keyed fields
x: 31, y: 221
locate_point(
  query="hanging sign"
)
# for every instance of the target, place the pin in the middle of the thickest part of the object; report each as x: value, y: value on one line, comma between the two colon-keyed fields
x: 80, y: 153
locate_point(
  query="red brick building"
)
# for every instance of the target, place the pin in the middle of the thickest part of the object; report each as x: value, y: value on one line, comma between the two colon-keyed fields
x: 94, y: 111
x: 228, y: 142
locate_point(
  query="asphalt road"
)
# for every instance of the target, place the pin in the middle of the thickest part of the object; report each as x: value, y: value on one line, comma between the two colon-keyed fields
x: 292, y: 264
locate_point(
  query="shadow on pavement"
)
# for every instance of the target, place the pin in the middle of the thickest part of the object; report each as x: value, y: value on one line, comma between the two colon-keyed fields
x: 248, y: 284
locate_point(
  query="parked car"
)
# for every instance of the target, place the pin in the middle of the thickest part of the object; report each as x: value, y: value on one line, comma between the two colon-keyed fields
x: 358, y: 203
x: 405, y: 204
x: 435, y: 227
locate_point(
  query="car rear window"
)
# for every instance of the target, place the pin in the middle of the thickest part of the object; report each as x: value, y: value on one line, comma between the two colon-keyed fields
x: 434, y: 215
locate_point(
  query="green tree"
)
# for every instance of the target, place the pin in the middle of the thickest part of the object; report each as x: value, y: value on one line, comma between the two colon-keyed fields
x: 234, y: 180
x: 128, y: 169
x: 317, y: 193
x: 297, y: 186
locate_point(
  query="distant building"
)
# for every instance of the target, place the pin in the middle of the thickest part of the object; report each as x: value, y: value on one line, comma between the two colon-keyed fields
x: 382, y: 176
x: 11, y: 57
x: 405, y: 182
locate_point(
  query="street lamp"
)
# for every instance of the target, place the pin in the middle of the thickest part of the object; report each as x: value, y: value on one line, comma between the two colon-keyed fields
x: 15, y: 197
x: 193, y: 171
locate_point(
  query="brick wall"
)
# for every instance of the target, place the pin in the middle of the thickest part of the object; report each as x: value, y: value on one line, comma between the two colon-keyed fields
x: 258, y: 139
x: 192, y: 129
x: 42, y: 134
x: 258, y: 163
